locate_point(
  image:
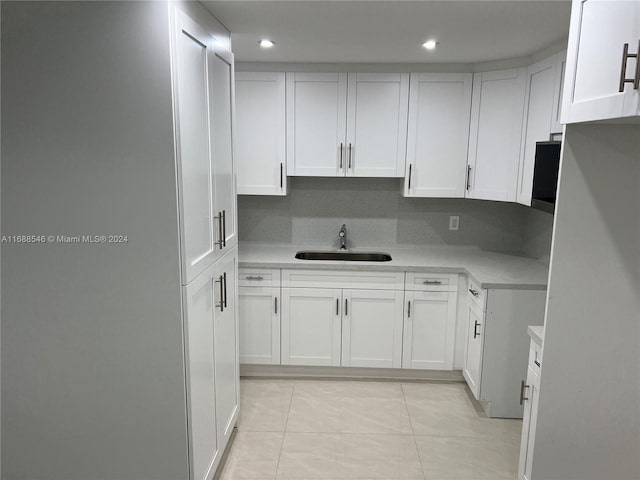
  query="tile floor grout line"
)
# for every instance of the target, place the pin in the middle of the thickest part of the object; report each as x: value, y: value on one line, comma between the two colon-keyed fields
x: 415, y: 443
x: 284, y: 430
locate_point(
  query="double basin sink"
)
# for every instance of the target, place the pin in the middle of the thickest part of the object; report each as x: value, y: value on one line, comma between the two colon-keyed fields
x: 344, y: 256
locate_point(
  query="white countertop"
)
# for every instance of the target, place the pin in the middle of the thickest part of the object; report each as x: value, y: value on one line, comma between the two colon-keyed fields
x: 489, y: 269
x: 536, y: 332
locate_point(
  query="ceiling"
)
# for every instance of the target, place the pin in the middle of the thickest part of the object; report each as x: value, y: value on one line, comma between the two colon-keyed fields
x: 392, y: 31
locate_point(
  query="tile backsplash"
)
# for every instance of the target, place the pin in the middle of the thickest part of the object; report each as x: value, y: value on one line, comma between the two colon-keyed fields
x: 377, y: 215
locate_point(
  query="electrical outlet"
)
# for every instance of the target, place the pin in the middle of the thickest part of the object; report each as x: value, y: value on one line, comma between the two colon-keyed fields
x: 454, y: 222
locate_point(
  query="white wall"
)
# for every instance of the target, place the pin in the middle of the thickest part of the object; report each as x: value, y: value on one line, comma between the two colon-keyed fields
x: 92, y: 357
x: 589, y: 413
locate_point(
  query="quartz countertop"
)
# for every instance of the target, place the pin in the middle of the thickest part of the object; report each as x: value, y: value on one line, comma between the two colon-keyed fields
x: 489, y: 269
x: 536, y: 332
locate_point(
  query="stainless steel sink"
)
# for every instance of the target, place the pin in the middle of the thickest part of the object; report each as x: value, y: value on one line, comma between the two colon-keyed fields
x: 348, y: 256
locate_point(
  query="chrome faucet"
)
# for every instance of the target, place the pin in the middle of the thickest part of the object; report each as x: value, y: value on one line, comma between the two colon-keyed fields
x: 343, y: 237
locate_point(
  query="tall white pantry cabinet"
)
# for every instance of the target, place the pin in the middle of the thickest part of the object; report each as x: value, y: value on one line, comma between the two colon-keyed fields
x: 135, y: 345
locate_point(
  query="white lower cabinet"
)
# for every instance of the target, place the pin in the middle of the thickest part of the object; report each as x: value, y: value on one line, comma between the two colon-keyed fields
x: 530, y: 393
x: 372, y: 328
x: 473, y: 357
x: 311, y: 326
x: 259, y: 316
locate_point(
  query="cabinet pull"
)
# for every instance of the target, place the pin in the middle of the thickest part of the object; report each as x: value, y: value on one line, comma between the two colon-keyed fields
x: 281, y: 170
x: 522, y: 397
x: 224, y: 228
x: 474, y: 292
x: 409, y: 310
x: 409, y: 188
x: 221, y: 304
x: 276, y: 304
x: 251, y: 277
x: 346, y: 306
x: 475, y: 330
x: 536, y: 362
x: 341, y: 150
x: 432, y: 282
x: 220, y: 234
x: 350, y: 154
x: 468, y: 177
x: 623, y: 73
x: 224, y: 278
x: 337, y: 306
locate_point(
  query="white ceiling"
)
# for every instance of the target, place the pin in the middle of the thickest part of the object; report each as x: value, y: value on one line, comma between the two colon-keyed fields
x: 372, y: 31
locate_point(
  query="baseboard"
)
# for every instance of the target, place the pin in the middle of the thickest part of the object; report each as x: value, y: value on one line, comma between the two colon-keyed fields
x: 348, y: 373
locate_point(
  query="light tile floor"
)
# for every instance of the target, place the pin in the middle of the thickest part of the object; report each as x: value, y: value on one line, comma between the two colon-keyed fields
x: 330, y: 430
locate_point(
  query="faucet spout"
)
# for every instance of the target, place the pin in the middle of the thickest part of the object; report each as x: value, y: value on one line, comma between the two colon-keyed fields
x: 343, y: 237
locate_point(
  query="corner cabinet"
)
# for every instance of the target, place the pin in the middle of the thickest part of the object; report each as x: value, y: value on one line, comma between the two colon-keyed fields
x: 260, y: 138
x: 341, y: 124
x: 497, y: 345
x: 438, y: 134
x: 495, y: 133
x: 601, y: 81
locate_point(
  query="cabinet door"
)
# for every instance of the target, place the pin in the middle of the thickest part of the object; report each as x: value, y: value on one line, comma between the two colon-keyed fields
x: 429, y: 330
x: 223, y: 173
x: 372, y: 328
x: 494, y: 138
x: 316, y: 124
x: 529, y: 421
x: 472, y: 370
x: 561, y: 66
x: 192, y: 58
x: 226, y: 346
x: 541, y: 80
x: 259, y: 325
x: 260, y: 138
x: 199, y: 305
x: 438, y: 134
x: 311, y: 324
x: 598, y: 32
x: 376, y: 124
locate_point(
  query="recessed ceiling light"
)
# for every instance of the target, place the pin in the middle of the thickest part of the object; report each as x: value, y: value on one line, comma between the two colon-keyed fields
x: 266, y: 43
x: 430, y: 44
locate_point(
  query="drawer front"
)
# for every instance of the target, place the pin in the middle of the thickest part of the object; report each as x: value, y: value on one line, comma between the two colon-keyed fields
x: 477, y: 296
x: 258, y: 277
x: 343, y: 279
x: 432, y: 282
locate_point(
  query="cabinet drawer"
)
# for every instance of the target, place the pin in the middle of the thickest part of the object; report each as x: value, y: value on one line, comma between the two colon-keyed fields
x: 258, y: 277
x: 432, y: 282
x: 477, y: 295
x: 343, y: 279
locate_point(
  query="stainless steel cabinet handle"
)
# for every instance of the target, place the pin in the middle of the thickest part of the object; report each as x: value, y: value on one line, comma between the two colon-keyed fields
x: 224, y: 228
x: 224, y: 278
x: 474, y: 292
x: 623, y: 73
x: 432, y: 282
x: 409, y: 188
x: 350, y: 154
x: 346, y: 306
x: 337, y: 306
x: 251, y: 277
x: 409, y: 310
x: 522, y: 388
x: 276, y: 304
x: 221, y: 304
x: 341, y: 150
x: 468, y: 177
x: 220, y: 242
x: 281, y: 174
x: 475, y: 330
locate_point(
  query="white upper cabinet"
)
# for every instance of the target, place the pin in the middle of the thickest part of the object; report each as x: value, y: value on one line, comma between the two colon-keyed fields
x: 595, y: 65
x: 316, y: 124
x: 561, y: 66
x: 222, y: 147
x: 494, y: 138
x: 260, y: 137
x: 376, y: 124
x: 438, y: 134
x: 538, y: 120
x: 342, y: 124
